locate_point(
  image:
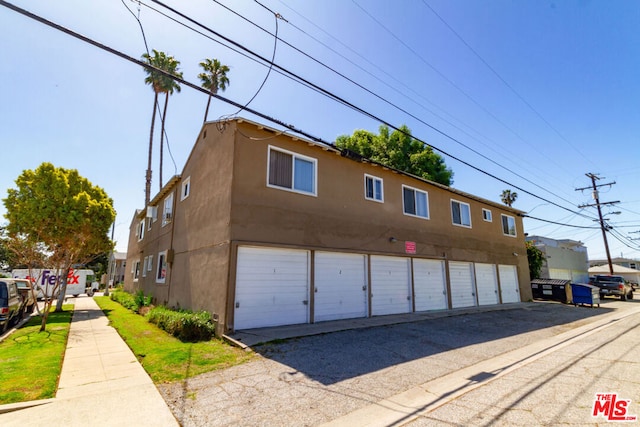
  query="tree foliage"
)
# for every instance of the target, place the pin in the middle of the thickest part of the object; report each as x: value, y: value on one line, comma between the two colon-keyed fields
x: 508, y: 197
x: 213, y: 78
x: 160, y: 83
x: 58, y: 219
x: 400, y: 151
x: 536, y: 259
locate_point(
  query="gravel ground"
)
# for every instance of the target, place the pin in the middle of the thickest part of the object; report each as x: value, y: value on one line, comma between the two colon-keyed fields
x: 311, y: 380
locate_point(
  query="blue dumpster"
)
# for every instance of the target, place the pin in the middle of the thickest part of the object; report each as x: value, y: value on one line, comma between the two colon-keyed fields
x: 585, y: 294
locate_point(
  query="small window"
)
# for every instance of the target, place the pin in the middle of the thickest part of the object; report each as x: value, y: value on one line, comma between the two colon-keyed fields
x: 415, y: 202
x: 186, y: 187
x: 291, y: 171
x: 460, y: 213
x: 508, y: 225
x: 486, y: 215
x: 373, y: 189
x: 167, y: 214
x: 136, y: 271
x: 161, y: 273
x: 144, y: 266
x: 140, y: 230
x: 150, y: 263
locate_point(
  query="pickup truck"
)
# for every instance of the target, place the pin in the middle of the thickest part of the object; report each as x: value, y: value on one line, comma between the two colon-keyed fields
x: 612, y: 285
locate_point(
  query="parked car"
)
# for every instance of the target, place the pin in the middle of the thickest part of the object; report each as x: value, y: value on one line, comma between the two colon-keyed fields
x: 28, y: 299
x: 10, y: 304
x: 612, y: 285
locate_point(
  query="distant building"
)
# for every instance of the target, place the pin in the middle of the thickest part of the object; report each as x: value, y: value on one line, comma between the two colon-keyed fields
x: 563, y: 259
x: 624, y: 262
x: 117, y: 267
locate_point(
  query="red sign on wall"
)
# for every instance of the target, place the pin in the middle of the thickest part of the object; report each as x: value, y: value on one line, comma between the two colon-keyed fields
x: 410, y: 247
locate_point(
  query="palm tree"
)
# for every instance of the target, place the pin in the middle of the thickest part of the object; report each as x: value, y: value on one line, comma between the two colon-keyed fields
x: 213, y: 78
x: 160, y: 83
x: 508, y: 197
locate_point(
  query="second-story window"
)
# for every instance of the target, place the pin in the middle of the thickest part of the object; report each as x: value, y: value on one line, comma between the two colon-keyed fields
x: 167, y: 213
x: 460, y: 213
x: 508, y: 225
x: 373, y: 189
x: 415, y: 202
x: 291, y: 171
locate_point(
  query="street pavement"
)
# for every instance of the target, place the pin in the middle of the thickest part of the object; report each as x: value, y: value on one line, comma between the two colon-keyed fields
x: 538, y: 363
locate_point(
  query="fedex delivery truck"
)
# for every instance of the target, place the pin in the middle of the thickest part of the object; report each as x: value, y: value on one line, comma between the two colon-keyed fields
x: 44, y: 280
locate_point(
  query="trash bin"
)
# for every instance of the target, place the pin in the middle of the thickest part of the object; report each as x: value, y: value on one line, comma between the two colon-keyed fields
x: 585, y: 294
x: 552, y: 289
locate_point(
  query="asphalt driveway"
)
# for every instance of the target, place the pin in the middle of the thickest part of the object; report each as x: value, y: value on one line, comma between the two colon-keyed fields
x: 316, y: 379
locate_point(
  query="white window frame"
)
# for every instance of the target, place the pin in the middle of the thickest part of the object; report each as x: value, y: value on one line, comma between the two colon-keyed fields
x: 461, y: 204
x: 140, y: 230
x: 415, y: 191
x: 508, y: 231
x: 374, y: 179
x: 144, y: 266
x: 186, y: 188
x: 294, y: 156
x: 136, y: 270
x: 150, y: 265
x: 487, y: 215
x: 162, y: 256
x: 167, y: 208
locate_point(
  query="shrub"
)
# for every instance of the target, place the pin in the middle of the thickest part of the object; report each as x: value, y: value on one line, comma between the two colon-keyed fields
x: 125, y: 299
x: 132, y: 302
x: 185, y: 325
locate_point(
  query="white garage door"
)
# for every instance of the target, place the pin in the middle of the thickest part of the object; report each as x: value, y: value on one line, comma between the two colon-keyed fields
x: 462, y: 288
x: 272, y: 287
x: 429, y: 285
x: 486, y: 284
x: 390, y: 285
x: 340, y: 286
x: 509, y: 283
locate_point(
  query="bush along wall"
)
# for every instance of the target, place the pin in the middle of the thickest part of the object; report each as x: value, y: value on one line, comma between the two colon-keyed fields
x: 185, y: 325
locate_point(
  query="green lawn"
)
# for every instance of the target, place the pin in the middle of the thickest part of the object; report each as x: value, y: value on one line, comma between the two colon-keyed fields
x: 30, y: 360
x: 164, y: 357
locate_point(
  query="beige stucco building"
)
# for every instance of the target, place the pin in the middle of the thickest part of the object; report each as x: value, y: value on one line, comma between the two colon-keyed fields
x: 263, y: 228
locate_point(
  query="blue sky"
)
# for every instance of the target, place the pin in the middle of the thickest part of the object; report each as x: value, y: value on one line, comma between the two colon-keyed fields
x: 536, y: 93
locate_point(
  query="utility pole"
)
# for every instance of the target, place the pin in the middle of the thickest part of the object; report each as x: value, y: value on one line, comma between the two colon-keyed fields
x: 598, y: 204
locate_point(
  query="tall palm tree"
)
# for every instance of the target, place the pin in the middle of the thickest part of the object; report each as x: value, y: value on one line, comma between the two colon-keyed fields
x: 160, y: 83
x: 508, y: 197
x: 213, y: 78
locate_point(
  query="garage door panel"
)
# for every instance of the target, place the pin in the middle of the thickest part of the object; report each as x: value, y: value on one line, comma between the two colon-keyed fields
x: 509, y: 289
x: 429, y: 284
x: 340, y: 286
x: 390, y: 285
x: 272, y: 287
x: 486, y: 284
x: 462, y: 284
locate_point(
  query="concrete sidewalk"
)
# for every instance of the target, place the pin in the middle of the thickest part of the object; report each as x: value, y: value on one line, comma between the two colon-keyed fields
x: 101, y: 383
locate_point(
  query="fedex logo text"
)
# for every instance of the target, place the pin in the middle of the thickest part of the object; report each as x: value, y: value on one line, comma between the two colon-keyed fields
x: 612, y: 408
x: 51, y: 279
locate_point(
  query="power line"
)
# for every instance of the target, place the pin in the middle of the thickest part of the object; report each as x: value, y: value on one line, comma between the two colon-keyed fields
x: 360, y: 110
x: 537, y: 113
x: 255, y: 112
x: 535, y: 184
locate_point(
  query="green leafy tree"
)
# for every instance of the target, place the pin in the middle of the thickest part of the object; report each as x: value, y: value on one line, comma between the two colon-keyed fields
x: 508, y: 197
x: 400, y: 151
x: 536, y: 259
x: 160, y: 83
x: 58, y: 218
x: 213, y: 78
